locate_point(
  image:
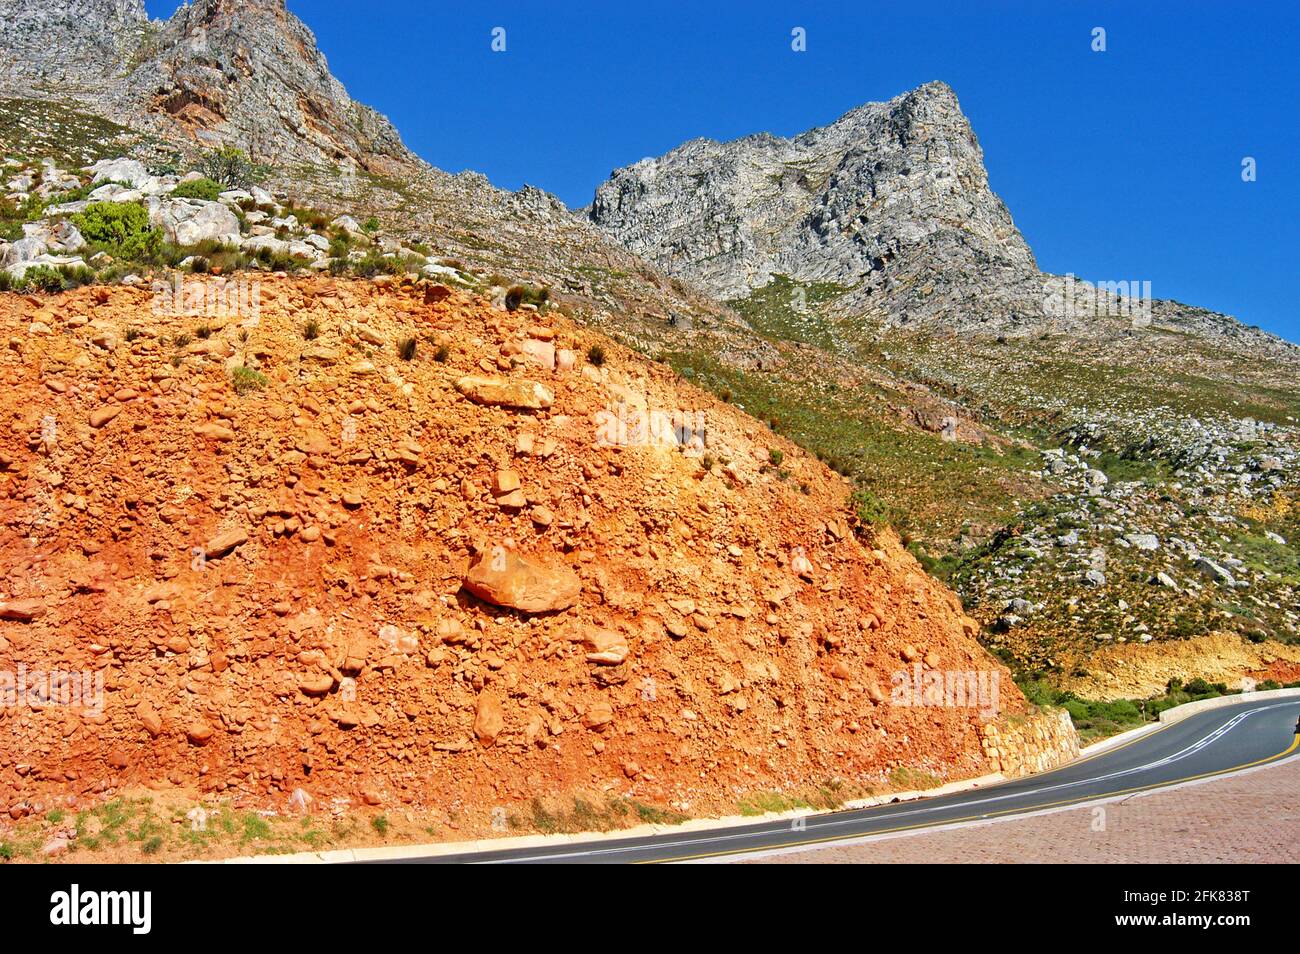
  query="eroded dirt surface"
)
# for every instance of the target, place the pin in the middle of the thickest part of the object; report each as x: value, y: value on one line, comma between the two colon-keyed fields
x: 271, y: 583
x: 1135, y: 671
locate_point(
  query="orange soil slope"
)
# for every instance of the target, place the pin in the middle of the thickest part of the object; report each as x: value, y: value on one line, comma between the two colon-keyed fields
x: 272, y: 583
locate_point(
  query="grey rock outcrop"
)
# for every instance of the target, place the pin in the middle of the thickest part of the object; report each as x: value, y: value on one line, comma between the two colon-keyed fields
x: 219, y: 71
x: 74, y: 45
x: 190, y: 221
x: 892, y: 204
x: 891, y: 200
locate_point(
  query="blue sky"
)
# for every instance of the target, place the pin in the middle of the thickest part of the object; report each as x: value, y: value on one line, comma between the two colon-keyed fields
x: 1123, y: 164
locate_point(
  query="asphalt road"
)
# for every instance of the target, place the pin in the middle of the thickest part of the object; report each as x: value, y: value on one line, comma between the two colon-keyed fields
x: 1209, y: 743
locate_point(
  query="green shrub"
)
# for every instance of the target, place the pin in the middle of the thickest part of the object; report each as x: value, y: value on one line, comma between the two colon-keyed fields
x: 536, y: 296
x: 228, y: 166
x: 375, y: 263
x: 13, y: 216
x: 1201, y: 687
x: 74, y: 276
x: 41, y: 278
x: 205, y: 188
x: 870, y: 510
x: 775, y: 456
x: 277, y: 261
x: 313, y: 219
x: 370, y: 225
x: 120, y: 228
x: 245, y: 379
x: 340, y: 245
x: 32, y: 208
x: 311, y: 330
x: 518, y: 295
x: 169, y: 165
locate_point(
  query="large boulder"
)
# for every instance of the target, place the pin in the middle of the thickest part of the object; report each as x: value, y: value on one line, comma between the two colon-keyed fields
x: 120, y: 170
x: 113, y: 192
x: 505, y: 392
x: 190, y: 221
x: 26, y: 249
x: 308, y: 251
x: 269, y: 242
x: 348, y: 224
x: 68, y: 208
x: 498, y: 576
x: 19, y: 269
x: 56, y: 236
x: 158, y: 185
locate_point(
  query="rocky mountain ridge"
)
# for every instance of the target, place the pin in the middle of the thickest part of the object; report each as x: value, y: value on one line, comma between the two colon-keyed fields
x: 890, y: 196
x: 888, y: 210
x: 217, y: 71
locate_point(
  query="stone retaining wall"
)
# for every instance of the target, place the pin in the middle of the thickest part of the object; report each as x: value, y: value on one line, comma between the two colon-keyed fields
x: 1035, y: 742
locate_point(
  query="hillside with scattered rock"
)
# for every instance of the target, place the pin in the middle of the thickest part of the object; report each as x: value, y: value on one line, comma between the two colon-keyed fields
x: 432, y: 552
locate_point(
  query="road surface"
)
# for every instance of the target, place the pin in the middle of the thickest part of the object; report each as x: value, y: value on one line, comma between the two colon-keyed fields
x: 1214, y: 742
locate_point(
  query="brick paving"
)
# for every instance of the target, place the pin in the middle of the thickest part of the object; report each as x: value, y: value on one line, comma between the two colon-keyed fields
x: 1253, y: 817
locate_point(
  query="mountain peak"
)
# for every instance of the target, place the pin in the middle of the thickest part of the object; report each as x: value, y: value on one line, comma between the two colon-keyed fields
x: 245, y: 72
x: 882, y: 197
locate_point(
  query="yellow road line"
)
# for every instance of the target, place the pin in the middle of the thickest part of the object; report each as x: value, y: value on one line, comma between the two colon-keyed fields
x: 1295, y: 743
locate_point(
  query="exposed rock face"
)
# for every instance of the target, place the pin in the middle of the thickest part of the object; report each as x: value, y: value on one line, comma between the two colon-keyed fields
x: 78, y: 45
x: 243, y: 71
x: 190, y: 221
x: 272, y: 584
x: 891, y: 194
